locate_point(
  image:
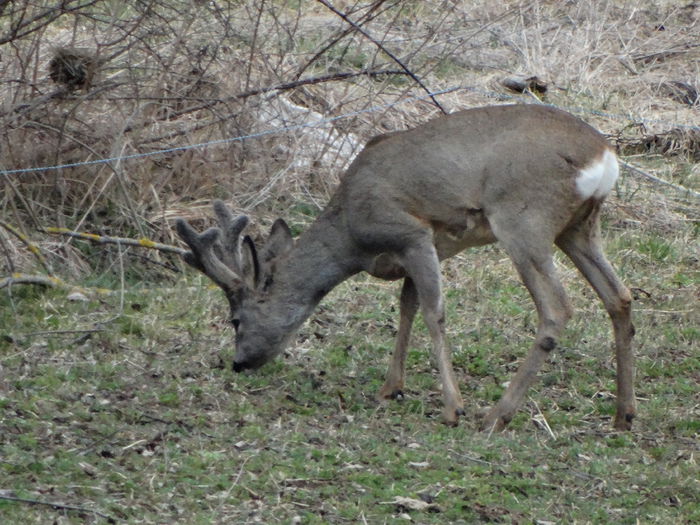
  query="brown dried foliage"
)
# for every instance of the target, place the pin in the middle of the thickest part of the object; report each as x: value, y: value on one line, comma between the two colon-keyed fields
x: 85, y: 80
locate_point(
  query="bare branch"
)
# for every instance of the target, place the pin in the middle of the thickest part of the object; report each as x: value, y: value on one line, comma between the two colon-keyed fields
x: 654, y: 178
x: 385, y: 50
x: 260, y: 91
x: 59, y: 506
x: 370, y: 15
x: 43, y: 19
x: 32, y: 247
x: 124, y: 241
x: 40, y: 280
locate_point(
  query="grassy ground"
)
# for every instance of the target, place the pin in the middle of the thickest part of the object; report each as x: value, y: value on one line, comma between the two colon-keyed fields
x: 140, y: 420
x: 124, y: 406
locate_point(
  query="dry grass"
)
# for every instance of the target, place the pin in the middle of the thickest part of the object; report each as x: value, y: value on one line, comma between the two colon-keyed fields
x: 133, y: 415
x: 173, y: 75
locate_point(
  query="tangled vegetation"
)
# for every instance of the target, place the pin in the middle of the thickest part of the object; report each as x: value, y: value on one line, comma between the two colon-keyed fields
x: 117, y: 401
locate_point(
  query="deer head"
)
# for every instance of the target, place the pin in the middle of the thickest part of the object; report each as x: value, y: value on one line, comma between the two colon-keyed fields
x: 246, y: 275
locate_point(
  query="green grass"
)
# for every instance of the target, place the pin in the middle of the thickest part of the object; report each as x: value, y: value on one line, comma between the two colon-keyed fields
x: 139, y: 421
x: 126, y: 404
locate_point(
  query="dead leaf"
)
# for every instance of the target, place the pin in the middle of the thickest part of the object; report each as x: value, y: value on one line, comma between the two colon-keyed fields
x: 410, y: 504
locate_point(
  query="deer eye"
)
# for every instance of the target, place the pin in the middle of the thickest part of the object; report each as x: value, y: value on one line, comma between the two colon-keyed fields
x: 268, y: 283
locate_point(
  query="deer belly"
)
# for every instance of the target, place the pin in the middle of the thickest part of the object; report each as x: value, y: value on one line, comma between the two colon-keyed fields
x: 473, y: 229
x: 386, y: 266
x: 469, y: 228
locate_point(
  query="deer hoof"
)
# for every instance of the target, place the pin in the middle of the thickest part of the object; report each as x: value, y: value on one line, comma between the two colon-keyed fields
x: 397, y: 395
x: 624, y: 421
x: 451, y: 416
x: 494, y: 423
x: 390, y: 393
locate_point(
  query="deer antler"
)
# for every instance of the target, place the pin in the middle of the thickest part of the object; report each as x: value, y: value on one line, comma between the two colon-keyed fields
x: 221, y: 261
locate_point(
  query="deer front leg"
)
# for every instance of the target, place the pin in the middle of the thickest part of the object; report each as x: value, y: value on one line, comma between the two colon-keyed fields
x: 423, y: 267
x: 394, y: 383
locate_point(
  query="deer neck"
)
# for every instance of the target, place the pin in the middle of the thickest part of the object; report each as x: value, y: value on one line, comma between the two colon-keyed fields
x: 321, y: 259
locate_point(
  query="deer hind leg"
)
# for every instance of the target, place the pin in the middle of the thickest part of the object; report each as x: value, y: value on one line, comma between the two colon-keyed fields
x: 394, y: 383
x: 536, y: 268
x: 423, y: 268
x: 583, y: 246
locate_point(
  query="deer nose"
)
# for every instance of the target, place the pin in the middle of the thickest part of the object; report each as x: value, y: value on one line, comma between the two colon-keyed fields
x: 239, y: 366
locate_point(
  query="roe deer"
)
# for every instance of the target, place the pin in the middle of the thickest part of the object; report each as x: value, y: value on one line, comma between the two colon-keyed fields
x: 527, y: 176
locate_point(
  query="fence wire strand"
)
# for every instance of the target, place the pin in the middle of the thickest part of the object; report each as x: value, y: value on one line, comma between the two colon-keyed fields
x: 380, y: 107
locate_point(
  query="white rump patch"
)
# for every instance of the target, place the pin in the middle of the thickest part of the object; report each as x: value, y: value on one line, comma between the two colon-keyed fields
x: 598, y: 179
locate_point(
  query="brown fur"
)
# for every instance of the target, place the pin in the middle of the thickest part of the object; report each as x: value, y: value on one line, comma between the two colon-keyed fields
x: 413, y: 198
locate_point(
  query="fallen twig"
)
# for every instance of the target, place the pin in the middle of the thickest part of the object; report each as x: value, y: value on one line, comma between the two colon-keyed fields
x: 540, y: 419
x: 659, y: 56
x: 59, y: 506
x: 124, y: 241
x: 654, y: 178
x: 49, y: 281
x: 32, y: 247
x: 41, y: 280
x: 473, y: 459
x: 64, y: 332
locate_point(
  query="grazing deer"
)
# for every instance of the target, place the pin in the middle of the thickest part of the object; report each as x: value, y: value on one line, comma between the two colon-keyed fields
x: 527, y: 176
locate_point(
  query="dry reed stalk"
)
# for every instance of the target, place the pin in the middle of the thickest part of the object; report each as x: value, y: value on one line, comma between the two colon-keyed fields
x: 203, y: 73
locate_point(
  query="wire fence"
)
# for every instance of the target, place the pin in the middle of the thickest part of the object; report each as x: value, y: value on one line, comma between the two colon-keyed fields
x: 380, y: 107
x: 51, y: 280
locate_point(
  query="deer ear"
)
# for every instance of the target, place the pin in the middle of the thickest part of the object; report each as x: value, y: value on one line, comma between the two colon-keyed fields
x: 250, y: 267
x: 279, y: 242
